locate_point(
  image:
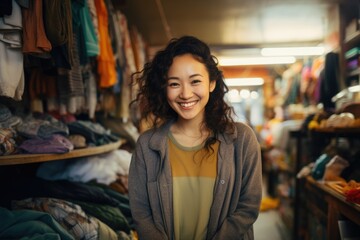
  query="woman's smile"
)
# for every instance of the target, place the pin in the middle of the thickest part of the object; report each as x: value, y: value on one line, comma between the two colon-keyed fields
x: 187, y: 105
x: 188, y: 87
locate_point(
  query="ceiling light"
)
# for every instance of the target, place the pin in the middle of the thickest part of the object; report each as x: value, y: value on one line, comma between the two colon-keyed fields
x: 234, y: 82
x: 241, y: 61
x: 245, y: 93
x: 293, y: 51
x: 254, y: 95
x: 233, y: 96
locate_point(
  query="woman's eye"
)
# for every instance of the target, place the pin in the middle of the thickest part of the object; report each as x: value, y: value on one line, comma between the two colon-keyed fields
x: 173, y: 84
x: 196, y: 81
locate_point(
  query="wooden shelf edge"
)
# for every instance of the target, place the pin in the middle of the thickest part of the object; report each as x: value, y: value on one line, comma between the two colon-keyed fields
x: 36, y: 158
x: 352, y: 37
x: 340, y: 197
x: 337, y: 130
x: 354, y: 72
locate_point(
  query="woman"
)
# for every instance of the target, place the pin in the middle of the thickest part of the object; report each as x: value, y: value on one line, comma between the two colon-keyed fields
x: 195, y: 174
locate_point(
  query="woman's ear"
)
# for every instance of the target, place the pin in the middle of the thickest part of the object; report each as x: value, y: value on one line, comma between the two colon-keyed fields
x: 212, y: 85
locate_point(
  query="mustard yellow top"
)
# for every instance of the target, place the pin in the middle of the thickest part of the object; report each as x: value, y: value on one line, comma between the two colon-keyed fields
x: 194, y: 171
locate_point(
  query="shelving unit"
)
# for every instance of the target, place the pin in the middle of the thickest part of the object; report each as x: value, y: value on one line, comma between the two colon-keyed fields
x: 36, y: 158
x: 285, y: 185
x: 351, y: 40
x: 320, y: 206
x: 333, y: 208
x: 300, y: 160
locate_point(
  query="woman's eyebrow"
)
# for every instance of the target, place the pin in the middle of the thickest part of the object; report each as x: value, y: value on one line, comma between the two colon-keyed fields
x: 191, y: 76
x: 196, y: 75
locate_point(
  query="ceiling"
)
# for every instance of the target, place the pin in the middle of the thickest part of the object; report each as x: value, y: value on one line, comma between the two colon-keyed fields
x: 231, y: 23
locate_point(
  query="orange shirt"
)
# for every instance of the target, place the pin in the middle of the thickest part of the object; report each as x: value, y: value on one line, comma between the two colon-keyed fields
x: 106, y: 61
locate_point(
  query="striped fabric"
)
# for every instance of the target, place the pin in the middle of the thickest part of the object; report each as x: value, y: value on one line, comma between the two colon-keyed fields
x: 194, y: 172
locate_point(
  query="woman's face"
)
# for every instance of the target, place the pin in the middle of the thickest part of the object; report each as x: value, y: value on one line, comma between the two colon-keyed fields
x: 188, y: 87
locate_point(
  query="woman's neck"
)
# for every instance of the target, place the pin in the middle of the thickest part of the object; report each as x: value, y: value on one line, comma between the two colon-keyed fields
x: 189, y: 133
x: 190, y: 127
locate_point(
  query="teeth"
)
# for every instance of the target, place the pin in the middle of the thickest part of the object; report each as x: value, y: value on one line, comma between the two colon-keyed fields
x: 187, y: 104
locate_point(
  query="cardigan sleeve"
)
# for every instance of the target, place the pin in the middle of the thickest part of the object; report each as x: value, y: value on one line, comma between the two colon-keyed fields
x: 239, y: 223
x: 142, y: 212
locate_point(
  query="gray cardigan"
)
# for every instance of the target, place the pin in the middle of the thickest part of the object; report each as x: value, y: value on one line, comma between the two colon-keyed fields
x: 237, y: 193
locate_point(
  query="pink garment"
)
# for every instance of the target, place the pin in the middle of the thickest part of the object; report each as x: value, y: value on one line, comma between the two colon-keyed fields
x: 55, y: 144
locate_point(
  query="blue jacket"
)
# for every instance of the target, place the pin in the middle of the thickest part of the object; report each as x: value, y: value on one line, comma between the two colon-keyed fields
x: 237, y: 192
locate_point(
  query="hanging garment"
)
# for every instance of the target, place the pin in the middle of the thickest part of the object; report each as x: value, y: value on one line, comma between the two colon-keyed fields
x: 76, y: 9
x: 115, y: 34
x: 34, y: 36
x: 58, y: 27
x: 90, y: 91
x: 12, y: 80
x: 70, y: 82
x: 330, y: 85
x: 11, y: 58
x: 11, y: 27
x: 93, y: 15
x: 106, y: 61
x: 90, y: 36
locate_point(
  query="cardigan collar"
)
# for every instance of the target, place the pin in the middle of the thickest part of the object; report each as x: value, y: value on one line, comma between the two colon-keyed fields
x: 158, y: 139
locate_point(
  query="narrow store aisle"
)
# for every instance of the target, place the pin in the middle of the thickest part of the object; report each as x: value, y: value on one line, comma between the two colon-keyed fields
x: 269, y: 224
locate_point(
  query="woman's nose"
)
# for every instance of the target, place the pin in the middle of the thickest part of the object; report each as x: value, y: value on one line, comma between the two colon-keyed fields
x: 186, y: 92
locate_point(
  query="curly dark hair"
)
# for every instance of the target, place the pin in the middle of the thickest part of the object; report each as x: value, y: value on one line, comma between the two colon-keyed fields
x: 152, y: 83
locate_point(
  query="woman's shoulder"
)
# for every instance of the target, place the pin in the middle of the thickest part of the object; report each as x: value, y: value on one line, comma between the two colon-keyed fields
x: 243, y: 127
x: 244, y: 130
x: 146, y: 135
x: 156, y: 133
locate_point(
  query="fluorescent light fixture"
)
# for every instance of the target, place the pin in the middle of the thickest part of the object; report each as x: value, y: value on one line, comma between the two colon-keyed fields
x: 254, y: 95
x: 293, y: 51
x: 241, y: 61
x: 244, y: 93
x: 233, y: 96
x: 236, y: 82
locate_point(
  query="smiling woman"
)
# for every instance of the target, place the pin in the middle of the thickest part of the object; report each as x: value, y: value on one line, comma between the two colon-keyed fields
x: 189, y: 169
x: 188, y: 88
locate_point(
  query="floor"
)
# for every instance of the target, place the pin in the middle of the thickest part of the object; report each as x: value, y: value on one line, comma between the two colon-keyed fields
x: 269, y: 225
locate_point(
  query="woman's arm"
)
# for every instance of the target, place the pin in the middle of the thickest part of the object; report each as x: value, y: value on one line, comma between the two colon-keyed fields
x: 239, y: 224
x: 139, y: 199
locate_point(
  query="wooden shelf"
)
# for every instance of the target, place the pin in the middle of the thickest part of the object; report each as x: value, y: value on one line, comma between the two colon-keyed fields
x: 338, y: 132
x: 36, y: 158
x: 352, y: 39
x: 354, y: 73
x: 334, y: 193
x: 337, y: 207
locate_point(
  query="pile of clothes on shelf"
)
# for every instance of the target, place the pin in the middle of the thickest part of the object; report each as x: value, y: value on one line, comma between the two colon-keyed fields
x: 44, y: 133
x: 85, y: 198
